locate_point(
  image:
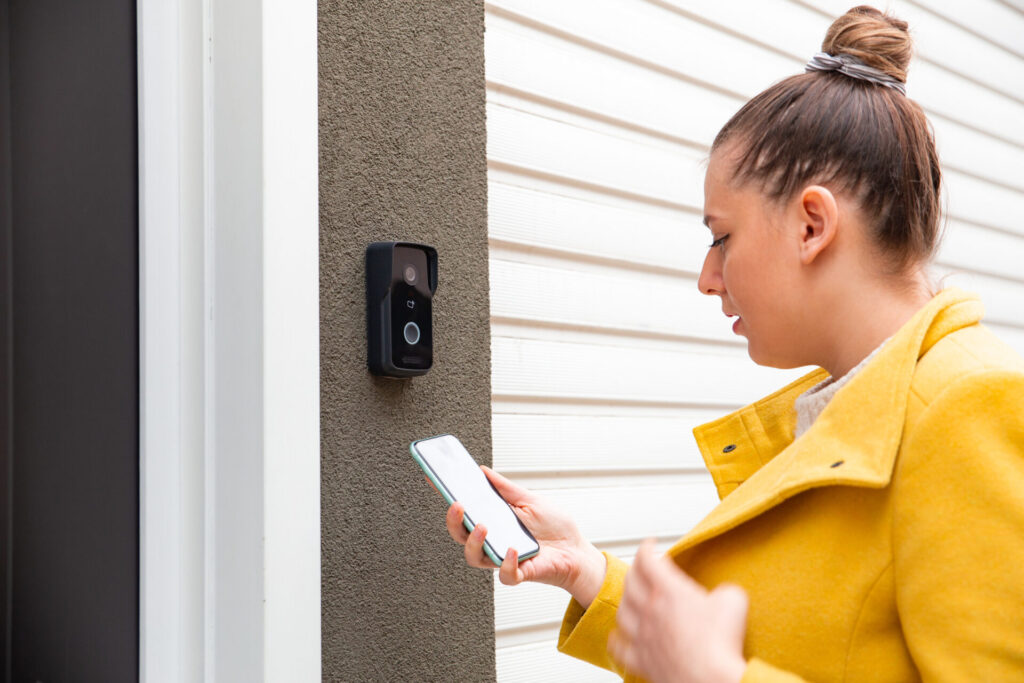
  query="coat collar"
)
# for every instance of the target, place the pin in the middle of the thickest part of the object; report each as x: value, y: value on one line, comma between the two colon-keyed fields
x: 754, y: 460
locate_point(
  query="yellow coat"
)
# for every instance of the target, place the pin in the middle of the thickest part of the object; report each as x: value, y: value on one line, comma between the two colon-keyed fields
x: 887, y: 543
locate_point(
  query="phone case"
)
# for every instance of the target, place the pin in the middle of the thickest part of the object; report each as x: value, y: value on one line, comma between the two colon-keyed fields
x: 466, y: 522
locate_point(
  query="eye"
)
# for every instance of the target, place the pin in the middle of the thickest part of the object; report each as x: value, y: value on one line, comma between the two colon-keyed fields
x: 718, y: 242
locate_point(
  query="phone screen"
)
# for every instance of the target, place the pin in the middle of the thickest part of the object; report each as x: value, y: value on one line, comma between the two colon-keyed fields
x: 450, y: 465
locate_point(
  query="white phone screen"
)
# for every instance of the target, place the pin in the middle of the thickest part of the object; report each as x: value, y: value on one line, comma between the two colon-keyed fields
x: 456, y: 470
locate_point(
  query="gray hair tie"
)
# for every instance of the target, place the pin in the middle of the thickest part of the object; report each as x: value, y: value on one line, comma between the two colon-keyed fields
x: 848, y: 65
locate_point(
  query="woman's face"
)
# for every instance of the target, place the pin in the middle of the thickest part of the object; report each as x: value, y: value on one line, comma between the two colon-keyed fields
x: 753, y: 266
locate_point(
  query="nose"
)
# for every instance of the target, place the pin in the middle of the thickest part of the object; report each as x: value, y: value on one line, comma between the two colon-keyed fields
x: 710, y: 280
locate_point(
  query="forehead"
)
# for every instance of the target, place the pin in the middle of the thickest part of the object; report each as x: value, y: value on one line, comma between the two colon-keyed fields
x: 725, y: 199
x: 722, y: 163
x: 718, y: 181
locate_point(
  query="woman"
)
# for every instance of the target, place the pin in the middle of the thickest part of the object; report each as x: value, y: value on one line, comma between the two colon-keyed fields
x: 872, y: 512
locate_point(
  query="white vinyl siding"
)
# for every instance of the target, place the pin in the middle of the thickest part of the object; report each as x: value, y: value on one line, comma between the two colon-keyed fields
x: 605, y: 355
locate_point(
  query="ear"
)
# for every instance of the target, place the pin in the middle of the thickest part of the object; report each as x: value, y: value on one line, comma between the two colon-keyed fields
x: 817, y: 214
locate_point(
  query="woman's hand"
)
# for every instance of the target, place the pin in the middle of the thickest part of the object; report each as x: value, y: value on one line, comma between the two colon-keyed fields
x: 669, y: 628
x: 566, y: 559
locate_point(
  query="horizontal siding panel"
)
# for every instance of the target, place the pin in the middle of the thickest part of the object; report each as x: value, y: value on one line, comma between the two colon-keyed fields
x: 670, y: 173
x: 801, y: 32
x: 989, y: 18
x: 662, y: 511
x: 527, y: 604
x: 543, y: 662
x: 636, y: 234
x: 982, y: 250
x: 947, y: 94
x: 652, y: 34
x: 677, y: 240
x: 978, y: 251
x: 618, y: 373
x: 1004, y: 301
x: 1013, y: 336
x: 979, y: 58
x: 597, y: 443
x: 977, y: 201
x: 644, y: 32
x: 522, y: 58
x: 664, y: 173
x: 640, y: 302
x: 963, y: 149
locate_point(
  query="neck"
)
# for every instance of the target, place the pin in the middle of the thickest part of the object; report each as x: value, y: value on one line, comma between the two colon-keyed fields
x: 867, y: 317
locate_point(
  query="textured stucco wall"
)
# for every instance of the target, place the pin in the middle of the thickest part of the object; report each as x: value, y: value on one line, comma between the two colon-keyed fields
x: 402, y: 156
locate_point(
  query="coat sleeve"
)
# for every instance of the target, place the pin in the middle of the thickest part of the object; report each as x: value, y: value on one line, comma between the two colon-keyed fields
x: 585, y: 632
x: 958, y: 531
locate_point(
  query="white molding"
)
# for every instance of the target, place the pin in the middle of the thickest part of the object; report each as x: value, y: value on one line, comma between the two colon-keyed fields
x: 291, y: 337
x: 229, y: 341
x: 162, y: 544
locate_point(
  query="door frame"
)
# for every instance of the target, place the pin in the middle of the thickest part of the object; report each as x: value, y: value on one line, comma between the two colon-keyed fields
x: 229, y: 341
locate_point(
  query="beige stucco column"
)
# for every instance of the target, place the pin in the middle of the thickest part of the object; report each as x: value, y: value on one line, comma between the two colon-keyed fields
x: 402, y: 157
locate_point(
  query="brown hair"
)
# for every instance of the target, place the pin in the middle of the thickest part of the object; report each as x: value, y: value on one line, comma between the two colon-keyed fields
x: 862, y: 138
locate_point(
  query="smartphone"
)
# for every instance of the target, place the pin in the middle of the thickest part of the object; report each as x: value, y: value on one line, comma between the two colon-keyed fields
x: 459, y: 478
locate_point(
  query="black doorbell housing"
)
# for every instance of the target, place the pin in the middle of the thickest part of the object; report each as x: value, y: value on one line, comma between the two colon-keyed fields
x: 401, y: 278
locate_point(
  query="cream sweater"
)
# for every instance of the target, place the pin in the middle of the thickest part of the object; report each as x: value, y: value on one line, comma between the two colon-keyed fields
x: 810, y: 404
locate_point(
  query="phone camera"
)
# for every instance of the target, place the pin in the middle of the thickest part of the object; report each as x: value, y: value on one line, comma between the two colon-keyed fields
x: 409, y: 273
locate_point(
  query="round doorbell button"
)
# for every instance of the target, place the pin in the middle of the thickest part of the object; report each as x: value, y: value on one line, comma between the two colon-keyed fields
x: 411, y: 333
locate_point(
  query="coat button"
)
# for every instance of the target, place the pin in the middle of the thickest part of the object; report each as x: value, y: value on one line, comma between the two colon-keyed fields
x: 837, y: 463
x: 730, y: 448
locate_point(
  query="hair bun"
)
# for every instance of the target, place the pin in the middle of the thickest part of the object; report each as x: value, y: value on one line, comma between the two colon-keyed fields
x: 879, y: 40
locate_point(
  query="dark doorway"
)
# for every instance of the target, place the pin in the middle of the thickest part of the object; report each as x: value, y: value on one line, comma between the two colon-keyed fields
x: 69, y: 418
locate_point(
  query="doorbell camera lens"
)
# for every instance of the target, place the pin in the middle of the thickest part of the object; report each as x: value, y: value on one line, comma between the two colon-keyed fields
x: 410, y: 274
x: 411, y: 333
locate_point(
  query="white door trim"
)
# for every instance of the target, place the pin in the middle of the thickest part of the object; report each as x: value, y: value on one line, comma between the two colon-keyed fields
x: 229, y: 341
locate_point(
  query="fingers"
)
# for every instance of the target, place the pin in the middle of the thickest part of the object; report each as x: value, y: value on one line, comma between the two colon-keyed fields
x: 636, y: 593
x: 634, y: 598
x: 731, y: 597
x: 473, y: 546
x: 732, y: 603
x: 657, y: 571
x: 474, y: 549
x: 620, y: 650
x: 453, y: 520
x: 644, y: 578
x: 511, y: 492
x: 626, y: 617
x: 432, y: 485
x: 510, y: 574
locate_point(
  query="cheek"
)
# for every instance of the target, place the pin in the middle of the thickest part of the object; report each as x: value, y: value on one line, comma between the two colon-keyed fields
x: 748, y: 279
x: 755, y: 284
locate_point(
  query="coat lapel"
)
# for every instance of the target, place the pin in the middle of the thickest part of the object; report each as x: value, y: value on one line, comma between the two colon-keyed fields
x: 854, y: 442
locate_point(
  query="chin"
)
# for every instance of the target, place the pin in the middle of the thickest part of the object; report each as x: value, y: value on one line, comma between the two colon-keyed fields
x: 770, y: 360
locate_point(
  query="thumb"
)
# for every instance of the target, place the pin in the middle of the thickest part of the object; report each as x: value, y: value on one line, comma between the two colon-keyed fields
x: 511, y: 492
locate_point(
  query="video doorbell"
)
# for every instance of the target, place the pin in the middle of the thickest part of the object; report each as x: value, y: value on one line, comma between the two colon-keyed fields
x: 401, y: 279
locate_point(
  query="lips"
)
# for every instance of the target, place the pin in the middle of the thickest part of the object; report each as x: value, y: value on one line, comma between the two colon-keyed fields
x: 736, y: 324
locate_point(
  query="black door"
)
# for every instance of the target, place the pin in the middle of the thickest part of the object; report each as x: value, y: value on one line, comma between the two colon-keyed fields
x: 69, y: 419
